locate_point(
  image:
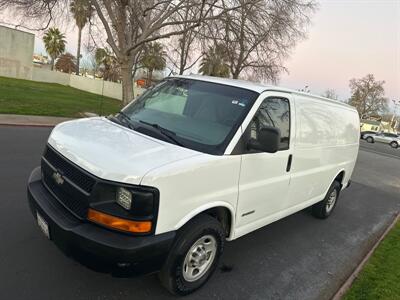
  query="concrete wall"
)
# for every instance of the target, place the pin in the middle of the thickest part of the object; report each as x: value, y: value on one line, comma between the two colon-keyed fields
x: 16, y: 53
x: 96, y: 86
x: 114, y: 89
x: 45, y: 75
x: 87, y: 84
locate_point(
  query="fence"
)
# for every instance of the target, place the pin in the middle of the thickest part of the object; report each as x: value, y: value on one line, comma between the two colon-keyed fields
x: 95, y: 86
x: 44, y: 75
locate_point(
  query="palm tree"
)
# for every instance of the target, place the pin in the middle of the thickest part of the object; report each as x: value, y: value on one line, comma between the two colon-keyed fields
x: 100, y: 55
x: 153, y: 58
x: 108, y: 64
x: 82, y: 11
x: 214, y: 62
x: 54, y: 42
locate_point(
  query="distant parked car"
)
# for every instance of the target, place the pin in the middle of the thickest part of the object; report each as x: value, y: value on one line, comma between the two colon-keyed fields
x: 363, y: 133
x: 388, y: 138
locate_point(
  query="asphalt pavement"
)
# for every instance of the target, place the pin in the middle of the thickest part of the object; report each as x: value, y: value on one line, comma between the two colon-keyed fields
x: 380, y: 148
x: 299, y: 257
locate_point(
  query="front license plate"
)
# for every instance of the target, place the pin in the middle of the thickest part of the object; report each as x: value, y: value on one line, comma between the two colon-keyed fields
x: 43, y: 225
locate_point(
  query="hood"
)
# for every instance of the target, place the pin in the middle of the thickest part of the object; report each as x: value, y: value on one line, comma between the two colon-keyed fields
x: 113, y: 152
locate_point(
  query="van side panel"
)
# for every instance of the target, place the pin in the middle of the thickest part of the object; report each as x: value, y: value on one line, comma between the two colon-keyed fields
x: 327, y: 141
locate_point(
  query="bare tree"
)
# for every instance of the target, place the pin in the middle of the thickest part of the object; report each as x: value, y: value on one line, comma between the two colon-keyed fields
x: 367, y: 96
x: 260, y: 34
x: 184, y: 50
x: 129, y: 24
x: 331, y: 94
x: 39, y: 13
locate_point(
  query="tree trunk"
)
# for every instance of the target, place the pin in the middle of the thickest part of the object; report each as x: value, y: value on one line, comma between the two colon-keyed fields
x: 182, y: 61
x: 78, y: 53
x: 181, y: 69
x: 52, y: 63
x: 127, y: 83
x: 150, y: 77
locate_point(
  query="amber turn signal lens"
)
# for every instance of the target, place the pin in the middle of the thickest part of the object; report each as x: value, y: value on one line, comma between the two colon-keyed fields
x: 118, y: 223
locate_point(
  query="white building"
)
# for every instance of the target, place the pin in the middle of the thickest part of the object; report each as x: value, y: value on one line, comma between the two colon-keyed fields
x: 16, y: 51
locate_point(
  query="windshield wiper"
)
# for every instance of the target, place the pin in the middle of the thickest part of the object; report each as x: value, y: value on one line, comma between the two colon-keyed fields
x: 165, y: 132
x: 128, y: 119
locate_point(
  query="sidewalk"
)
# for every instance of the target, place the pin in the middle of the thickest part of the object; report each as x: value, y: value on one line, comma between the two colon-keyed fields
x: 22, y: 120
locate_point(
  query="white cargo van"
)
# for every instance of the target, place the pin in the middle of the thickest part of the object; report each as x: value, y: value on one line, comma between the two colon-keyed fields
x: 192, y: 163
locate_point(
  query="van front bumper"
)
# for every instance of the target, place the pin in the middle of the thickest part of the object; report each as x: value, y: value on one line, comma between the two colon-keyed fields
x: 87, y: 241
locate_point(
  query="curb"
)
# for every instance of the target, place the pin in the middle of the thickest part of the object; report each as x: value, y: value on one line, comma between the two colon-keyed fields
x: 31, y: 120
x: 353, y: 276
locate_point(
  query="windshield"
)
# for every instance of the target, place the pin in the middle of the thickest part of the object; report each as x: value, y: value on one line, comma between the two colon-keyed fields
x: 200, y: 115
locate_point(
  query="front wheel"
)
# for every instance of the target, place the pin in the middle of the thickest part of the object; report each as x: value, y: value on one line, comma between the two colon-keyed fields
x: 324, y: 208
x: 370, y: 139
x: 194, y: 255
x: 394, y: 145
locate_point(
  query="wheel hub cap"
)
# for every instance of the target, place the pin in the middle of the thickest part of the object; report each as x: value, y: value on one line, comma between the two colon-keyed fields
x: 199, y: 258
x: 331, y: 201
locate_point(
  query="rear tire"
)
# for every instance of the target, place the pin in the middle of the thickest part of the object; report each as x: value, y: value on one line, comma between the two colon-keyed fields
x: 324, y: 208
x: 394, y: 145
x: 370, y: 139
x: 194, y: 255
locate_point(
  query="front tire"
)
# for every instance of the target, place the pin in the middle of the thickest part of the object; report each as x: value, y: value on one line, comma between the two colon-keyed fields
x: 394, y: 145
x: 324, y: 208
x: 370, y: 139
x: 194, y: 255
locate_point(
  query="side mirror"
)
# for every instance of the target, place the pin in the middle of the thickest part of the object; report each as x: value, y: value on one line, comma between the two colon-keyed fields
x: 268, y: 140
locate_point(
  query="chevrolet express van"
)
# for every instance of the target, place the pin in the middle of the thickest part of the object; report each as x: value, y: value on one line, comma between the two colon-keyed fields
x: 193, y: 162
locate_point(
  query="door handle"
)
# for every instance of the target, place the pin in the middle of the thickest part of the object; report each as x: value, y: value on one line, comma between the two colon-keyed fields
x: 289, y: 163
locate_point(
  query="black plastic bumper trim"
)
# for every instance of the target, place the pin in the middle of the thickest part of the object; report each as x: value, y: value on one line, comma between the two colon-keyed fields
x: 72, y: 235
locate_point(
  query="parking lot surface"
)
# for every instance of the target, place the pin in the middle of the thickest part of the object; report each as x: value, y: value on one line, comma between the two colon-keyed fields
x: 298, y: 257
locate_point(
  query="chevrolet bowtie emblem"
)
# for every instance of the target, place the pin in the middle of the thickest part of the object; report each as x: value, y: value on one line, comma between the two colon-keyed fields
x: 58, y: 178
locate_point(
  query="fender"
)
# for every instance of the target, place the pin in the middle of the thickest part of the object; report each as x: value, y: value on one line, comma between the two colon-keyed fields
x: 205, y: 207
x: 337, y: 174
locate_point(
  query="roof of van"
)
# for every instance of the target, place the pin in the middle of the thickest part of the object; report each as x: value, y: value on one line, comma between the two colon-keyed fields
x: 257, y: 87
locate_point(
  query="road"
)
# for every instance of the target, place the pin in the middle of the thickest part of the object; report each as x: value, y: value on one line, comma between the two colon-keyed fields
x: 298, y: 257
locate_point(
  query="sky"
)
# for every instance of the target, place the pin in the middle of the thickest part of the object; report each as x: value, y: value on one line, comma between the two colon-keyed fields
x: 346, y: 39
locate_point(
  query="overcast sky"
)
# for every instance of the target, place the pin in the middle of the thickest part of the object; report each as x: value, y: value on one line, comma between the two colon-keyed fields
x: 347, y: 39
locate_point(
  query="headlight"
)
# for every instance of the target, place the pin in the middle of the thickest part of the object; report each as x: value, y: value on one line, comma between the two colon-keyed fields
x: 124, y: 198
x: 132, y: 208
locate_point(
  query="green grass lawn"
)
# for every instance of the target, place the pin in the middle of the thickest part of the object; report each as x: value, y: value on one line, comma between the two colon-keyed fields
x: 24, y: 97
x: 380, y: 278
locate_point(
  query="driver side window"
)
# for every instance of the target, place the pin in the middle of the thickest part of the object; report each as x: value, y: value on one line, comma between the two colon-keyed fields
x: 273, y: 112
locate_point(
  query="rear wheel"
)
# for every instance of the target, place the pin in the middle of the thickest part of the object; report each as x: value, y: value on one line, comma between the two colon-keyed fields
x: 370, y: 139
x: 394, y: 144
x: 194, y: 255
x: 324, y: 208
